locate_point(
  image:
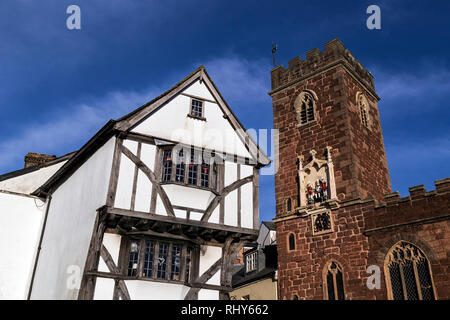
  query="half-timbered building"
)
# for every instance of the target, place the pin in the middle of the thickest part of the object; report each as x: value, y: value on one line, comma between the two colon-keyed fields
x: 154, y: 206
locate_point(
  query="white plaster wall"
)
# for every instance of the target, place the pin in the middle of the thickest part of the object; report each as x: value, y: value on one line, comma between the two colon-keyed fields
x: 205, y: 294
x: 20, y: 225
x: 111, y: 242
x: 171, y: 122
x: 27, y: 183
x: 148, y: 290
x: 188, y: 197
x: 207, y: 258
x: 70, y: 224
x: 126, y: 177
x: 104, y: 289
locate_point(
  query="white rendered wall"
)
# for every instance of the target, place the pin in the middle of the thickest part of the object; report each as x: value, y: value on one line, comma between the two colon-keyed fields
x: 149, y: 290
x: 27, y: 183
x: 70, y: 224
x: 20, y: 225
x: 171, y: 122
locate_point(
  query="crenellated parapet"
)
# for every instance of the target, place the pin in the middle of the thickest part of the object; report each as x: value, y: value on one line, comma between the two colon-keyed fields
x: 419, y: 207
x: 317, y: 61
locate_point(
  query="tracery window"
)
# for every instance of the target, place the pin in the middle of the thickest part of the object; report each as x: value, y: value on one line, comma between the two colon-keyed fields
x: 163, y: 260
x: 408, y: 275
x: 304, y: 106
x: 334, y: 282
x: 364, y: 110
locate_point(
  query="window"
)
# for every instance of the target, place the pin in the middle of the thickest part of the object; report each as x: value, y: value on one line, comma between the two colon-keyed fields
x: 251, y: 262
x: 204, y: 174
x: 364, y: 110
x: 289, y: 205
x: 408, y: 275
x: 190, y: 167
x: 291, y: 242
x: 180, y: 168
x: 333, y: 282
x: 133, y: 259
x: 163, y: 260
x: 192, y: 173
x: 304, y: 106
x: 196, y: 108
x: 167, y: 165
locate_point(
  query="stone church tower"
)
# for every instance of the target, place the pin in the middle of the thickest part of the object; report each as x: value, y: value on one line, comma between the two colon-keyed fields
x: 333, y: 179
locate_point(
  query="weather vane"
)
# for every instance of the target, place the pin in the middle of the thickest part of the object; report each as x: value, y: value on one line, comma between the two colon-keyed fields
x: 274, y: 49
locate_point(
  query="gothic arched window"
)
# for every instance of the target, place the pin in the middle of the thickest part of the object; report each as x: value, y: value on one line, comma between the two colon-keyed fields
x: 291, y: 242
x: 333, y: 281
x: 363, y: 110
x: 408, y: 275
x: 304, y: 106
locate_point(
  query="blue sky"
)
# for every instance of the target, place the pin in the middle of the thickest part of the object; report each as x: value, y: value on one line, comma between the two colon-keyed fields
x: 58, y: 87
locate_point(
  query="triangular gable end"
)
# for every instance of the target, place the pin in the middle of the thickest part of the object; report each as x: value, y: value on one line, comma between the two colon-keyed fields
x: 188, y: 88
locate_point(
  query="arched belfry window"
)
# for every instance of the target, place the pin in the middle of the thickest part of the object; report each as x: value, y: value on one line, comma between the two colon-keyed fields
x: 305, y: 107
x: 363, y: 110
x: 333, y: 281
x: 291, y: 241
x: 408, y: 274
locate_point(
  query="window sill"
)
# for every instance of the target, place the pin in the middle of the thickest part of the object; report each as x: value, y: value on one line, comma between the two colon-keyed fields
x: 156, y: 280
x: 195, y: 117
x: 190, y: 186
x: 301, y: 125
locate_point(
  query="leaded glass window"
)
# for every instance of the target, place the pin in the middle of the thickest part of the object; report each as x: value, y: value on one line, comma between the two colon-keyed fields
x: 149, y: 258
x: 204, y: 174
x: 189, y: 167
x: 180, y: 168
x: 176, y: 262
x: 167, y: 165
x: 133, y: 259
x: 307, y: 109
x: 192, y: 170
x: 408, y: 273
x: 162, y: 260
x: 334, y: 281
x: 197, y: 108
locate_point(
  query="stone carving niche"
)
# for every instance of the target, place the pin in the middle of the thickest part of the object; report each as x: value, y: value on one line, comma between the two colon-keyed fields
x: 316, y: 180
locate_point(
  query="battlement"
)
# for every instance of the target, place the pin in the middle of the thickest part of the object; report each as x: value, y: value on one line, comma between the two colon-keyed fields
x: 419, y: 207
x: 317, y: 61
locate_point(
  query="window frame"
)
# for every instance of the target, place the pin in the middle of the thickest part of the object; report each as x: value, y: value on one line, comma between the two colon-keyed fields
x: 186, y: 248
x: 298, y: 106
x: 191, y: 114
x: 326, y: 271
x: 213, y: 169
x: 387, y: 274
x: 364, y: 110
x: 251, y: 258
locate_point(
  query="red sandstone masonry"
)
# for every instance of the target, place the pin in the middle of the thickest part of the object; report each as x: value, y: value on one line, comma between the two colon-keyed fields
x: 364, y: 230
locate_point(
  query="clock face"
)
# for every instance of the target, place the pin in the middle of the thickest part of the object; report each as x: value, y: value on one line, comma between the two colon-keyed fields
x: 322, y: 222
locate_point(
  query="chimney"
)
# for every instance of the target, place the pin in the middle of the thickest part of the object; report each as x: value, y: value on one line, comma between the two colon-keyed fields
x: 34, y: 159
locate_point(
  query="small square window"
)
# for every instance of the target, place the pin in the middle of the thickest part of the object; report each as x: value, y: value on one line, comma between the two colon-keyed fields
x: 197, y: 108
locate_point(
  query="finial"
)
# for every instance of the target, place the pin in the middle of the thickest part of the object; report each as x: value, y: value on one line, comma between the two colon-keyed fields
x: 313, y: 153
